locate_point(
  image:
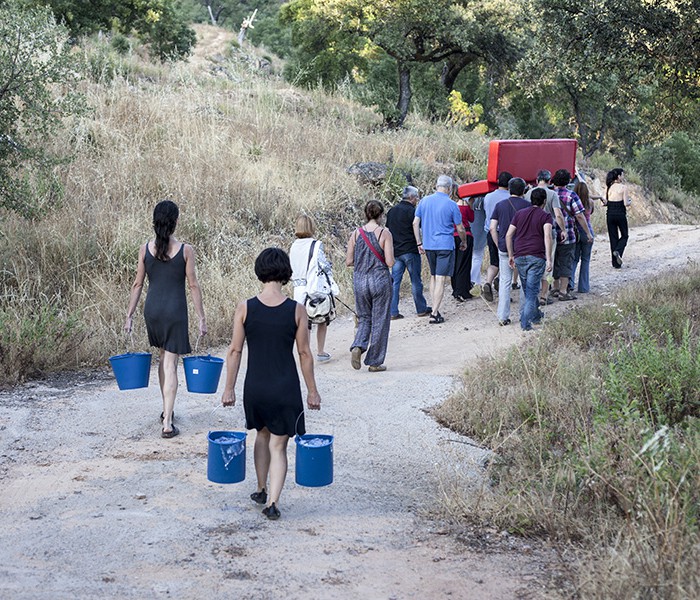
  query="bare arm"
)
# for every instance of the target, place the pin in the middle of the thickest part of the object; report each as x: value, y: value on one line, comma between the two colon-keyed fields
x: 625, y: 196
x: 559, y: 217
x: 233, y: 356
x: 388, y: 247
x: 195, y: 290
x: 493, y: 230
x: 462, y: 236
x: 417, y: 235
x: 510, y: 234
x: 306, y: 359
x: 136, y: 289
x: 350, y: 251
x: 548, y: 245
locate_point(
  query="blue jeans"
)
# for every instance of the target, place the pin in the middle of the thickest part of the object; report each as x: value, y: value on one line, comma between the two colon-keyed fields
x: 412, y: 263
x: 582, y: 252
x: 530, y: 270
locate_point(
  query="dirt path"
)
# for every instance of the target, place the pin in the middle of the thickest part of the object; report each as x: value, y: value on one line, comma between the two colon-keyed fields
x: 95, y: 504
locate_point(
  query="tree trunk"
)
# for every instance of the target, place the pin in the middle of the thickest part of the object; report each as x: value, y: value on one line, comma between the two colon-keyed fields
x: 211, y: 15
x: 452, y: 68
x: 404, y: 101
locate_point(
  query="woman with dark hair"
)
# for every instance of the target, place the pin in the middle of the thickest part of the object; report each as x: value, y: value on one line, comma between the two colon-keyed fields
x: 271, y: 323
x: 371, y: 252
x: 583, y: 248
x: 617, y: 200
x: 169, y: 264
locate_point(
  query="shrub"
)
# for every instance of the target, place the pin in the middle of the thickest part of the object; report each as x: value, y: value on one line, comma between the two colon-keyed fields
x: 37, y: 335
x: 684, y: 154
x: 654, y: 166
x: 38, y: 77
x: 595, y: 429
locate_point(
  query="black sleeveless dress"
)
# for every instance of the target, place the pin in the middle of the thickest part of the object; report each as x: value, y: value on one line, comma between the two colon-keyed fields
x: 271, y: 392
x: 165, y: 310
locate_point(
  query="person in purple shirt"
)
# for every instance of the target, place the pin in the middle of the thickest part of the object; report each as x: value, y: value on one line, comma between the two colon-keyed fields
x: 500, y: 220
x: 529, y: 244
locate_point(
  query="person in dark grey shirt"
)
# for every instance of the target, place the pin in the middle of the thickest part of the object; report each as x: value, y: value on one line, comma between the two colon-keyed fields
x: 399, y: 221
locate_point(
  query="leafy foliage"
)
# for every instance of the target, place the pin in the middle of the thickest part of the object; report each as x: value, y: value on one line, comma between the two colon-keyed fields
x: 596, y: 437
x: 162, y: 24
x: 37, y: 78
x: 671, y: 163
x: 351, y: 35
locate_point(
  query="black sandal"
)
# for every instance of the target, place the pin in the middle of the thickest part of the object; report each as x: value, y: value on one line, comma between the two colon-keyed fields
x: 259, y: 497
x: 170, y: 434
x: 436, y: 319
x: 271, y: 512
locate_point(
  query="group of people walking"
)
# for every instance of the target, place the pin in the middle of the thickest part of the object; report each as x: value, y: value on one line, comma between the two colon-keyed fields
x: 547, y: 229
x: 554, y: 236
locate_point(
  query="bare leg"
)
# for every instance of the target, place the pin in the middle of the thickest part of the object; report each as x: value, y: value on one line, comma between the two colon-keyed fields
x: 261, y: 457
x: 491, y: 273
x: 161, y: 376
x: 321, y: 337
x: 278, y: 466
x: 168, y: 362
x: 544, y: 288
x: 438, y: 293
x: 563, y: 284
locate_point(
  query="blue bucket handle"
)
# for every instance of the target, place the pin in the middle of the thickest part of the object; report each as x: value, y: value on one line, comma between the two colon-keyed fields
x: 296, y: 424
x: 196, y: 348
x: 128, y: 343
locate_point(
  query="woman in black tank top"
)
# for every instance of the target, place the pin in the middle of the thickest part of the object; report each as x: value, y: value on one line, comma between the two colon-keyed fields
x: 271, y: 324
x: 168, y: 264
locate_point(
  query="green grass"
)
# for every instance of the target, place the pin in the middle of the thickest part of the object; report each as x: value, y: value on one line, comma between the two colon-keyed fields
x: 596, y: 432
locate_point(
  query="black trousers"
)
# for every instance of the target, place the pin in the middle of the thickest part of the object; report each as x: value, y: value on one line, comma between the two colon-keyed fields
x: 461, y: 278
x: 618, y: 231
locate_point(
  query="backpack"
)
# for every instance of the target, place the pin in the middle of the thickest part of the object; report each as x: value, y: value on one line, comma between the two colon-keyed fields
x: 319, y: 301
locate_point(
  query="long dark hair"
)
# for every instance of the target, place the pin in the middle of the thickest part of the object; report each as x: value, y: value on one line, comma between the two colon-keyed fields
x: 611, y: 178
x: 581, y: 190
x: 165, y: 216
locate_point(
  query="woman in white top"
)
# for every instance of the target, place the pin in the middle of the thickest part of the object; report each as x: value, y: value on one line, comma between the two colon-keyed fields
x: 301, y: 265
x: 617, y: 200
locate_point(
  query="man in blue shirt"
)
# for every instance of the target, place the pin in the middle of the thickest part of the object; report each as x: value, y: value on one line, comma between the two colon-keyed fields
x: 433, y: 227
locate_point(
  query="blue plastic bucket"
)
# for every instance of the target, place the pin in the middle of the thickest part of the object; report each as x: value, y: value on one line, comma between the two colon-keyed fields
x: 314, y: 461
x: 226, y: 459
x: 132, y: 369
x: 202, y: 373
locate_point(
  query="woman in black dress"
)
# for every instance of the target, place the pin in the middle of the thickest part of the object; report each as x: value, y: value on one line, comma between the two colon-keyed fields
x: 271, y: 323
x: 168, y: 264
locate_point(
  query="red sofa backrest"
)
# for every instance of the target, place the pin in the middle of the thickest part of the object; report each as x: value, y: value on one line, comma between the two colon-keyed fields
x: 524, y: 158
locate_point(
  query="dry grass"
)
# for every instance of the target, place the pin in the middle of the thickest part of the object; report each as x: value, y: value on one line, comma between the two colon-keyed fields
x: 595, y: 429
x: 242, y: 153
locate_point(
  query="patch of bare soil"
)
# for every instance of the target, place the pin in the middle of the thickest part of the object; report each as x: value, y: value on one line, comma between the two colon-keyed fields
x: 96, y: 504
x: 211, y: 41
